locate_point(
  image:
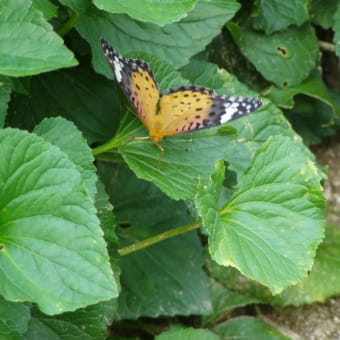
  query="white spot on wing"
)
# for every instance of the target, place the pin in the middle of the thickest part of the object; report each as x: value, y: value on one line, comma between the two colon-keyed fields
x: 230, y: 110
x: 118, y: 69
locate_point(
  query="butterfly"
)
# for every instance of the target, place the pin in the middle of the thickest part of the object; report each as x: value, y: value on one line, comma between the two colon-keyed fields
x: 178, y: 110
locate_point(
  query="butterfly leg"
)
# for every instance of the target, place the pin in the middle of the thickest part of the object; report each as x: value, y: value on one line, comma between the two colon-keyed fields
x: 140, y: 137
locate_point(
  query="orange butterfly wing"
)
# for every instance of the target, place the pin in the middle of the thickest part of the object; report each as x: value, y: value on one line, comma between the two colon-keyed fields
x: 137, y: 81
x: 190, y: 108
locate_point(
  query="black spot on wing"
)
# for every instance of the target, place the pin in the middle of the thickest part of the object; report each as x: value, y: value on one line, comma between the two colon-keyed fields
x: 127, y: 68
x: 190, y: 88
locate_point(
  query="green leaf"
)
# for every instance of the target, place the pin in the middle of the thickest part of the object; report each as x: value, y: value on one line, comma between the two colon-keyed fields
x: 108, y: 224
x: 272, y: 224
x: 39, y: 50
x: 185, y: 159
x: 175, y: 333
x: 161, y: 281
x: 174, y: 43
x: 224, y: 301
x: 336, y: 29
x: 78, y: 94
x: 310, y: 290
x: 206, y: 74
x: 224, y: 52
x: 322, y: 12
x: 14, y: 319
x: 106, y: 215
x: 157, y: 12
x: 252, y: 130
x: 312, y: 119
x: 208, y: 196
x: 231, y: 279
x: 89, y: 323
x: 47, y: 8
x: 313, y: 288
x: 276, y: 15
x: 167, y: 278
x: 64, y: 134
x: 51, y: 245
x: 313, y: 87
x: 5, y: 96
x: 79, y: 6
x: 248, y: 328
x: 285, y: 58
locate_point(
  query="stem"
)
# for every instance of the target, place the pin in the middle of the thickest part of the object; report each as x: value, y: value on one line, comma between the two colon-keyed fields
x: 127, y: 129
x: 327, y: 46
x: 106, y: 147
x: 158, y: 238
x: 70, y: 23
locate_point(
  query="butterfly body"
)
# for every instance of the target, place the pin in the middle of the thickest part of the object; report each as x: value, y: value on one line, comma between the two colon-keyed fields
x: 178, y: 110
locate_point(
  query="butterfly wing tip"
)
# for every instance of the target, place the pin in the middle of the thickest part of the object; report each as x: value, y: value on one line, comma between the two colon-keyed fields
x: 104, y: 43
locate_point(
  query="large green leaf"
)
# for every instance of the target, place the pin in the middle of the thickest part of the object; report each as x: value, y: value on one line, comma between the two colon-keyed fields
x: 5, y: 95
x: 224, y: 301
x: 313, y: 87
x: 28, y: 44
x: 276, y: 15
x: 78, y: 94
x: 167, y: 278
x: 313, y: 288
x: 158, y: 12
x: 272, y: 224
x: 106, y: 215
x: 285, y: 58
x: 108, y: 223
x: 248, y: 328
x: 185, y: 159
x: 89, y: 323
x: 52, y: 249
x: 62, y: 133
x: 312, y: 119
x: 79, y: 6
x: 14, y: 319
x: 252, y: 130
x: 322, y: 12
x: 206, y: 74
x: 175, y: 333
x: 174, y: 43
x: 46, y: 7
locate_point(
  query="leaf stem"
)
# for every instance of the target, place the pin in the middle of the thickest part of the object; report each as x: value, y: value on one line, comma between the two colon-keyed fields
x: 106, y: 147
x: 70, y: 23
x: 127, y: 129
x: 158, y: 238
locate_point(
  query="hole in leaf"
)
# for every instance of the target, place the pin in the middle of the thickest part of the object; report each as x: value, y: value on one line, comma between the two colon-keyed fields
x: 283, y: 51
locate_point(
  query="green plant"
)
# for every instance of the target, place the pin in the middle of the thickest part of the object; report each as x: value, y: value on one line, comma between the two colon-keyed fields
x: 75, y: 239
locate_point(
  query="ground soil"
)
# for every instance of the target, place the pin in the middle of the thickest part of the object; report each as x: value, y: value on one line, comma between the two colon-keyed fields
x: 319, y: 321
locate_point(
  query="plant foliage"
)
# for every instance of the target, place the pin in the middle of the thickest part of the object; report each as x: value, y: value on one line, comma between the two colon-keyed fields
x: 98, y: 227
